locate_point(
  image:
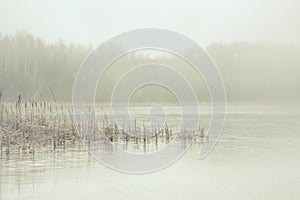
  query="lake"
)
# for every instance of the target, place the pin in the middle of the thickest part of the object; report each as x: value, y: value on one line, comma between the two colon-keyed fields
x: 257, y: 157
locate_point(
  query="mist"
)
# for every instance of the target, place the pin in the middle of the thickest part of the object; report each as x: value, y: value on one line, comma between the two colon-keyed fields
x: 72, y: 128
x: 252, y: 72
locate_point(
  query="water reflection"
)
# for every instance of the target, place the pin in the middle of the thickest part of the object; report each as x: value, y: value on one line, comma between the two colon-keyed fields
x: 257, y: 157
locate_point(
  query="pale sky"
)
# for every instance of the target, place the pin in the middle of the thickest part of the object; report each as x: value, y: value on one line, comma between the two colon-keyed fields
x: 205, y: 21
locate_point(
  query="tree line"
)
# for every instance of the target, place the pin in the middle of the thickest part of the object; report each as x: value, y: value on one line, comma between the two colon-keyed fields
x: 258, y: 71
x: 29, y: 66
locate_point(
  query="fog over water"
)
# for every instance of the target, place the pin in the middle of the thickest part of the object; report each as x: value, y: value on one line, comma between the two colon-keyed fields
x: 255, y: 46
x: 258, y: 157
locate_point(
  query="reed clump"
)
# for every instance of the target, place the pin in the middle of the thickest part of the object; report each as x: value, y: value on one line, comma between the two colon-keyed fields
x: 25, y: 126
x: 30, y: 125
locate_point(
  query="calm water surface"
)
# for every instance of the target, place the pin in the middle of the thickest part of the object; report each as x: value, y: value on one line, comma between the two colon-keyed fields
x: 257, y: 157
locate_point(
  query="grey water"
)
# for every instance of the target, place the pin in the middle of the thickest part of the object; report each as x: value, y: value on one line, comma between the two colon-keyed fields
x: 257, y: 157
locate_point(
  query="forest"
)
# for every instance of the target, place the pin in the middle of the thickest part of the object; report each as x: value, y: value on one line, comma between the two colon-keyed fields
x: 258, y: 71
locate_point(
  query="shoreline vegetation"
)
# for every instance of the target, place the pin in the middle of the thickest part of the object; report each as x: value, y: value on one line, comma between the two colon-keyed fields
x: 29, y: 66
x: 26, y: 127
